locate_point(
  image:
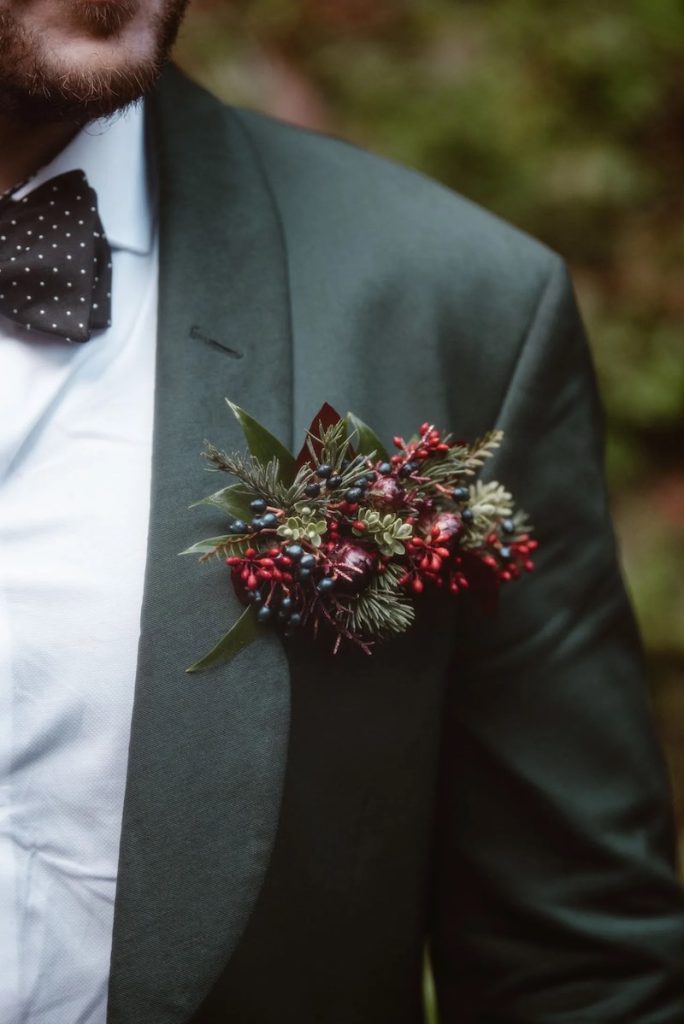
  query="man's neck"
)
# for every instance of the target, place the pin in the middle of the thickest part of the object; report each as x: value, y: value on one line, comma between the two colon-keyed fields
x: 25, y: 148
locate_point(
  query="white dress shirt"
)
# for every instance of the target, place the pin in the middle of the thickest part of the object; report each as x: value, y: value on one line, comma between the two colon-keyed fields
x: 75, y: 452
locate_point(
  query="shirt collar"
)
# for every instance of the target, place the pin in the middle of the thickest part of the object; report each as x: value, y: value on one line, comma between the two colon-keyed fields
x: 112, y: 154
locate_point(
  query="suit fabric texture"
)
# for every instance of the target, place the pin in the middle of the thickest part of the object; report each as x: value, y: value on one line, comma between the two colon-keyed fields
x: 297, y: 826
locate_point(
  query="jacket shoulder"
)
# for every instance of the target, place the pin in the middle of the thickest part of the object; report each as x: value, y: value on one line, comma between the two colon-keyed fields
x: 364, y: 199
x: 398, y: 272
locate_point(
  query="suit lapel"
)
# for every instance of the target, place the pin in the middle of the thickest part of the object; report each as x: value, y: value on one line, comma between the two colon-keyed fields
x: 207, y: 752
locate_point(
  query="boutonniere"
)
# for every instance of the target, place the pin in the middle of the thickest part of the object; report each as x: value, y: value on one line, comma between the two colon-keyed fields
x: 342, y: 539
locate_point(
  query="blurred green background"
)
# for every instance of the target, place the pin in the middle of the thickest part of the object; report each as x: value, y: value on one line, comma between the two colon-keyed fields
x: 567, y: 119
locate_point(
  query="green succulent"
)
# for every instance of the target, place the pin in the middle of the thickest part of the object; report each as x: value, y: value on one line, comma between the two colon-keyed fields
x: 303, y: 526
x: 388, y: 531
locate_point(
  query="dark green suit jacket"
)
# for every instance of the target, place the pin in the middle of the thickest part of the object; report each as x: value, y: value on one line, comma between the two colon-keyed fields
x: 298, y: 825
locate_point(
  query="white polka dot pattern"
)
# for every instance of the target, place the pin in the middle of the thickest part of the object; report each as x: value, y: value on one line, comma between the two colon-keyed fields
x: 55, y: 261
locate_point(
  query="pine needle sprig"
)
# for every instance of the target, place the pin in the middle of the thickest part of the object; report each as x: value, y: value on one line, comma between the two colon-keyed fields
x: 335, y: 450
x: 461, y: 460
x: 382, y: 609
x: 448, y: 467
x: 356, y: 467
x: 333, y: 441
x: 482, y: 449
x: 296, y: 492
x: 261, y: 478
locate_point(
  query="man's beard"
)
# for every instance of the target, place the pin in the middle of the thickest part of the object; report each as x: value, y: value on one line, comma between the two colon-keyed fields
x: 35, y: 92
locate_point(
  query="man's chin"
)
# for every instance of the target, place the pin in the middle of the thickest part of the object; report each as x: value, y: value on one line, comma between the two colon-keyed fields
x: 73, y: 83
x: 80, y: 97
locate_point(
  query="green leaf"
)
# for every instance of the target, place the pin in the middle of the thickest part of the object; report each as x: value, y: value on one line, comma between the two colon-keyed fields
x: 243, y: 633
x: 205, y: 547
x: 367, y: 441
x: 263, y: 445
x: 233, y: 500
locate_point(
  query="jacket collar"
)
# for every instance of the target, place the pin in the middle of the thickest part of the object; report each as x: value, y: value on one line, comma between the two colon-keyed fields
x: 207, y: 752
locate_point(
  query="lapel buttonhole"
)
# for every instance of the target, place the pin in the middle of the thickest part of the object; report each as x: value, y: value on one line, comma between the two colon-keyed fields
x: 197, y: 334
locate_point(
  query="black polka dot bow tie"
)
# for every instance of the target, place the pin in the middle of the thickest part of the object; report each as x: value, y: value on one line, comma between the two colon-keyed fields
x: 55, y: 262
